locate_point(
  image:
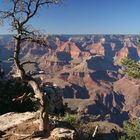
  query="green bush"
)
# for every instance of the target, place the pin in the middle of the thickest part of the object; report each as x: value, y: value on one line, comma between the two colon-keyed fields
x: 132, y: 130
x: 131, y: 67
x: 71, y: 118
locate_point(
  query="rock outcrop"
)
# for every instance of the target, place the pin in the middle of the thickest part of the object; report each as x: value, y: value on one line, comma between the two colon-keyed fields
x: 12, y: 119
x: 63, y: 133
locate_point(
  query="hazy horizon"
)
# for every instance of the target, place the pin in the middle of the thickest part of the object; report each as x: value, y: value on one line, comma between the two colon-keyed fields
x: 77, y: 34
x: 86, y: 17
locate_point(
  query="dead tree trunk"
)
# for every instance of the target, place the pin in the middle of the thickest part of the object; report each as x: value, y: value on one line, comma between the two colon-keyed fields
x: 44, y: 118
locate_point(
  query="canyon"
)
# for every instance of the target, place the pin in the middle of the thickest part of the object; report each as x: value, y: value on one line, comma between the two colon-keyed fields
x: 88, y: 70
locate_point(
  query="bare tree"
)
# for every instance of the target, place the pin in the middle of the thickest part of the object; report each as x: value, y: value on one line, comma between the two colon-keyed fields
x: 18, y: 14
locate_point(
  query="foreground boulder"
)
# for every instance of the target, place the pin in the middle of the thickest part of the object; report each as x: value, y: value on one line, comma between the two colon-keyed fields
x: 63, y: 134
x: 12, y: 119
x: 64, y: 130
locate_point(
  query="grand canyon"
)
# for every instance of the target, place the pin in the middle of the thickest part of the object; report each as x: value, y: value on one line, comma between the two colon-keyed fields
x: 88, y: 70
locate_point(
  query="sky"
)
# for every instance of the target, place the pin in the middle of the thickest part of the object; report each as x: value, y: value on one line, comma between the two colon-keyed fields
x: 87, y: 17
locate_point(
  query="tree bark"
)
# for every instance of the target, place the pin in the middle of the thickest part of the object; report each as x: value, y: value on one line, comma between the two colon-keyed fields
x: 44, y: 118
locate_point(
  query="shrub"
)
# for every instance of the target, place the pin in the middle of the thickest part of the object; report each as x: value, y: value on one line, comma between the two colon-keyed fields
x: 131, y: 67
x: 71, y: 118
x: 132, y: 130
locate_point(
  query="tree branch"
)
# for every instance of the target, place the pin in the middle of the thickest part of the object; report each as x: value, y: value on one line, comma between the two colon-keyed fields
x: 28, y: 62
x: 22, y: 98
x: 48, y: 2
x: 95, y: 131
